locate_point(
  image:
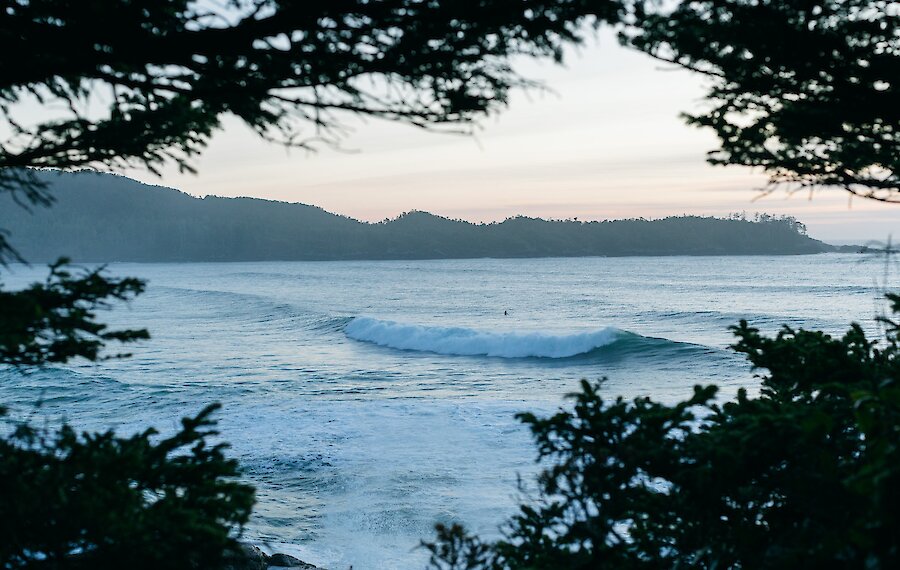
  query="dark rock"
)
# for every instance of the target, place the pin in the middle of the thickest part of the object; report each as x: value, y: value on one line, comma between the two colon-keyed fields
x: 247, y: 557
x: 284, y: 561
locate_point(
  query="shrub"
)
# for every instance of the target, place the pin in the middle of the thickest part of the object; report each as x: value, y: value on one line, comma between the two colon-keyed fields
x: 806, y: 474
x: 97, y: 500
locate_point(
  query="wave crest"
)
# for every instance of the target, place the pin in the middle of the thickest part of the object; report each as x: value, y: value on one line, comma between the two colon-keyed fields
x: 470, y: 342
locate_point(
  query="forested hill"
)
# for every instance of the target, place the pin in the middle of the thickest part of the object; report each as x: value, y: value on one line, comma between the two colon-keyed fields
x: 104, y: 217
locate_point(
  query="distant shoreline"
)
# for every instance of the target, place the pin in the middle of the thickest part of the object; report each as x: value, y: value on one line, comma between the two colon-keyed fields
x: 33, y: 262
x: 103, y: 218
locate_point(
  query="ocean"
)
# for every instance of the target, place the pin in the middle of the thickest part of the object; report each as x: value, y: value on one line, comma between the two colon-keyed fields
x: 367, y: 401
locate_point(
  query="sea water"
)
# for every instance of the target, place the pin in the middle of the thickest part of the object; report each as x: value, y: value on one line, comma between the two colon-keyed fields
x: 367, y: 401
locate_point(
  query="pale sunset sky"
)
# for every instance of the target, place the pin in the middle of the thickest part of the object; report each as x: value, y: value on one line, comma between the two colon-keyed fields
x: 607, y: 143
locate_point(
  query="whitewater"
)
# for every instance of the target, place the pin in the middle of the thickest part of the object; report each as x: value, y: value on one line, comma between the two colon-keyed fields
x: 367, y: 401
x: 469, y: 342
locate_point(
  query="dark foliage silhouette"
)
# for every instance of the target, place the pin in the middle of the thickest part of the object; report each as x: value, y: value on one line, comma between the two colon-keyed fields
x: 97, y: 500
x: 55, y: 321
x: 805, y: 474
x: 144, y: 82
x: 805, y: 90
x: 165, y: 72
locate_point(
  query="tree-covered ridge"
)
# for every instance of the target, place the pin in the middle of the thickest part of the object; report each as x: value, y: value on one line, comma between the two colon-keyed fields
x: 100, y: 217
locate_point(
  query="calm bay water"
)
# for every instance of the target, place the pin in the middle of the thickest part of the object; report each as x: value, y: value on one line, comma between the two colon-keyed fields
x: 369, y: 400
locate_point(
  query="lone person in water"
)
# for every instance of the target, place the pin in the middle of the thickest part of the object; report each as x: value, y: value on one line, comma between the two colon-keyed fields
x: 505, y: 314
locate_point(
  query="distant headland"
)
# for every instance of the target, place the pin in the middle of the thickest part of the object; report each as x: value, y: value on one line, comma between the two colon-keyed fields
x: 104, y: 217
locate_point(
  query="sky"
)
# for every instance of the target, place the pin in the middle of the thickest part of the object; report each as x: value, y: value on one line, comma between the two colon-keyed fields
x: 606, y: 143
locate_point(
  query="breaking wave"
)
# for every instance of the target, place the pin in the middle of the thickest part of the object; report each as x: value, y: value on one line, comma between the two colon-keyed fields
x: 470, y: 342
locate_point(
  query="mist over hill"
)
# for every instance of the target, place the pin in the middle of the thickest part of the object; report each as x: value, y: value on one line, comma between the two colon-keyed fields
x: 104, y: 217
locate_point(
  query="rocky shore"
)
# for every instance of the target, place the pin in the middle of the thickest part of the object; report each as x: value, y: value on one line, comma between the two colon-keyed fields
x: 250, y: 557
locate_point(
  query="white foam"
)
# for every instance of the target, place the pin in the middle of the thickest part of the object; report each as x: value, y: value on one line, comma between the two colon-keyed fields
x: 470, y: 342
